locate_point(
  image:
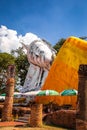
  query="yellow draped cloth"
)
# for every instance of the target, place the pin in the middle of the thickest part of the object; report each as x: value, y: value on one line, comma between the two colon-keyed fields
x: 63, y: 73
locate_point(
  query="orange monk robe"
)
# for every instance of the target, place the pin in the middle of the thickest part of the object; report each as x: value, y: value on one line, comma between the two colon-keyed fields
x: 63, y: 73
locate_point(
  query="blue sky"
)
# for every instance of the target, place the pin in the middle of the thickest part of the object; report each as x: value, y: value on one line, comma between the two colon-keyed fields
x: 49, y: 19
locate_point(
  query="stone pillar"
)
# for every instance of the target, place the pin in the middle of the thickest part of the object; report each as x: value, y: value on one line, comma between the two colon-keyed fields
x: 8, y: 104
x: 36, y: 115
x: 81, y: 114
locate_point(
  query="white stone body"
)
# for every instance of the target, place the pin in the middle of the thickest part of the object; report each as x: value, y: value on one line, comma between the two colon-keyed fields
x: 40, y: 56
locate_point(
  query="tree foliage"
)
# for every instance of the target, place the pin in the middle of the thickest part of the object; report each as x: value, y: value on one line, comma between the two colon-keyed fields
x: 58, y: 45
x: 5, y: 60
x: 21, y: 64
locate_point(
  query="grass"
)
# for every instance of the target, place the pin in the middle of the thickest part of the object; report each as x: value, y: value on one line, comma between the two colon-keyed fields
x: 44, y: 127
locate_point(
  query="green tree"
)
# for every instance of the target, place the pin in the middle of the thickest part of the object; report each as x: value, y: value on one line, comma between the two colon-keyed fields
x: 83, y: 37
x: 21, y: 64
x: 5, y: 60
x: 58, y: 45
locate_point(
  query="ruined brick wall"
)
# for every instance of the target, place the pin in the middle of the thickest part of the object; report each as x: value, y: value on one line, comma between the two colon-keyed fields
x: 63, y: 118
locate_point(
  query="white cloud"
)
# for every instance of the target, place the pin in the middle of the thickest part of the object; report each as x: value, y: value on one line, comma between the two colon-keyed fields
x: 29, y: 37
x: 10, y: 40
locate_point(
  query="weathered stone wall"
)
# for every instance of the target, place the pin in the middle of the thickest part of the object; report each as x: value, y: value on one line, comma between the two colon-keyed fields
x: 64, y: 118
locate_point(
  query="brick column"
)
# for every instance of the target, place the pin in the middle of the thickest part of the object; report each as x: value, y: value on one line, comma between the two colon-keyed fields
x: 8, y: 104
x: 36, y: 115
x: 81, y: 116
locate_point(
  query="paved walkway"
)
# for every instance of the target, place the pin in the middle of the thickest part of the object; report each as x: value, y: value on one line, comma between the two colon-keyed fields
x: 12, y: 123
